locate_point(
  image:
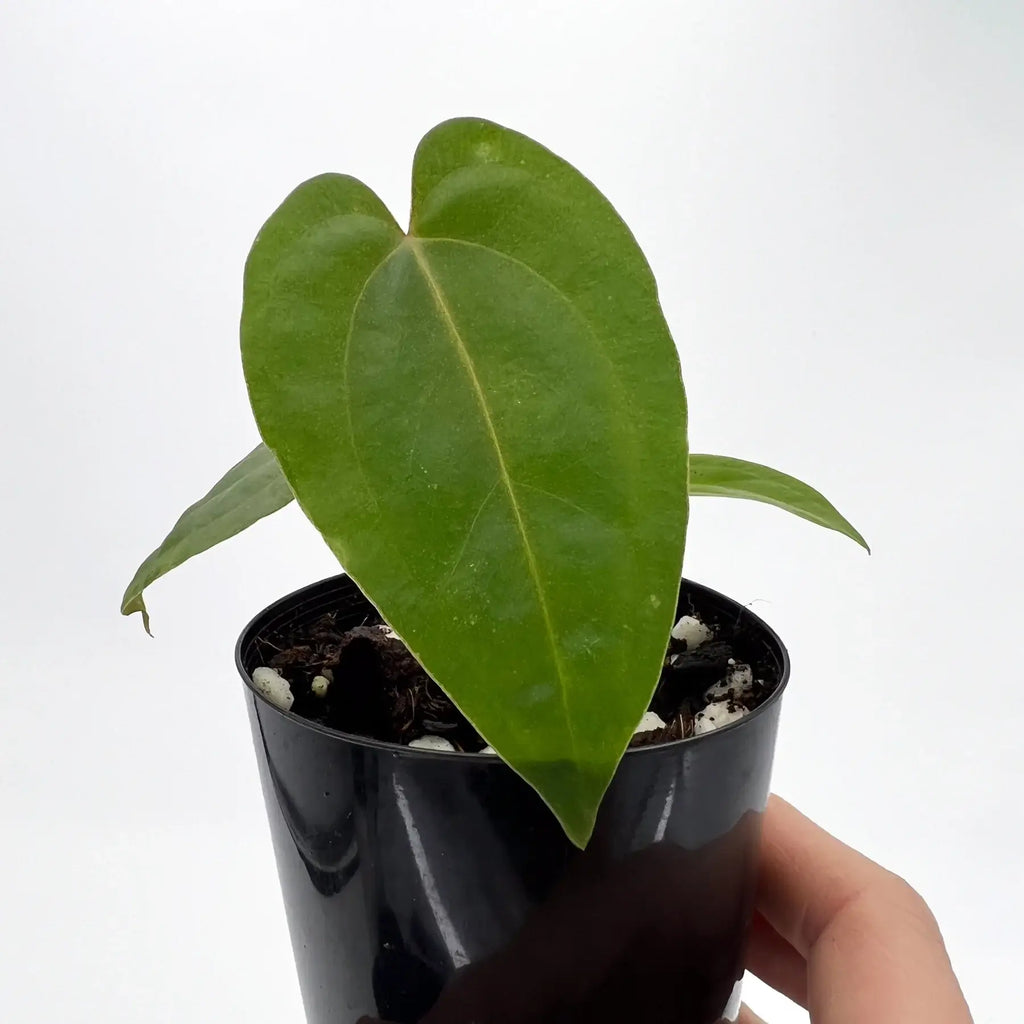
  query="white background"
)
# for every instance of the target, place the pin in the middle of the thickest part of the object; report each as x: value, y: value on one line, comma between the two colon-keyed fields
x: 832, y: 197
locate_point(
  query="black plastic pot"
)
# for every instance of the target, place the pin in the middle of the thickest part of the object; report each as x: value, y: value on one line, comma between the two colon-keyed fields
x: 433, y: 887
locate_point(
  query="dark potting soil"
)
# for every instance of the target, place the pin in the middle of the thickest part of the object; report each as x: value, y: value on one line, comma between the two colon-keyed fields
x: 378, y: 689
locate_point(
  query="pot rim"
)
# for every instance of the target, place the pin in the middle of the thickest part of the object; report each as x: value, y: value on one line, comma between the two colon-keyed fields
x: 771, y: 637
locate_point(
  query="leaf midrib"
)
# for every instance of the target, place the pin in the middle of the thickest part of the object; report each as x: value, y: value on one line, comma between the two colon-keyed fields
x: 504, y: 476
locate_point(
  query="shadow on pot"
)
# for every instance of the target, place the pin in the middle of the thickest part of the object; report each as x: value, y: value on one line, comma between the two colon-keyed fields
x: 651, y: 938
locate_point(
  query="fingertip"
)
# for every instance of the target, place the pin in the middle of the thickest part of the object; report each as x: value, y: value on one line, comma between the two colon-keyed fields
x: 747, y: 1016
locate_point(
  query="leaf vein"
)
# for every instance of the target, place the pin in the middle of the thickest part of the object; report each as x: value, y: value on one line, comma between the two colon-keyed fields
x: 472, y: 527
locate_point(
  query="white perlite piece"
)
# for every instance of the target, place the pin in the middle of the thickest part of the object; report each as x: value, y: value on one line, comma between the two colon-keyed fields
x: 272, y: 685
x: 649, y: 723
x: 692, y: 630
x: 432, y: 743
x: 489, y: 750
x: 738, y: 682
x: 319, y: 685
x: 715, y: 715
x: 388, y: 631
x: 740, y: 675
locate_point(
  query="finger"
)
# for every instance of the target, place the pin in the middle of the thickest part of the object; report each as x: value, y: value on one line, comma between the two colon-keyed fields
x: 776, y: 962
x: 874, y: 953
x: 747, y: 1016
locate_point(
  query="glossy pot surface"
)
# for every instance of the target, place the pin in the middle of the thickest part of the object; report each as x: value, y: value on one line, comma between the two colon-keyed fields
x: 438, y: 888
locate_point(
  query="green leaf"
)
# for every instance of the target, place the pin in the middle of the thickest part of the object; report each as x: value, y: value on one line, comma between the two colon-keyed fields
x: 733, y: 478
x: 485, y: 420
x: 252, y: 489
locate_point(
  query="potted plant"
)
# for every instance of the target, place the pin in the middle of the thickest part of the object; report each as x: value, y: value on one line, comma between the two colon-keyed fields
x: 514, y: 770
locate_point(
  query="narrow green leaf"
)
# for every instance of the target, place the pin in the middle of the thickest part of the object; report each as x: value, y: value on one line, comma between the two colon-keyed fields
x: 252, y: 489
x: 733, y: 478
x: 485, y: 420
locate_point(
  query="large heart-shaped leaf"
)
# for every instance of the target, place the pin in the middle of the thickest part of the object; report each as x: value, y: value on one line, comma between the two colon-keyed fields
x: 485, y: 419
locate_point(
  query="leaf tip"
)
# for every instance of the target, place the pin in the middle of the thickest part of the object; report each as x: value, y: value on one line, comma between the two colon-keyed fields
x: 577, y: 809
x: 855, y: 535
x: 578, y: 836
x: 131, y: 605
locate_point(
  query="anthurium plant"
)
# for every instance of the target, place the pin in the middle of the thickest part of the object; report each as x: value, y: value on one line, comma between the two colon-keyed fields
x: 484, y: 417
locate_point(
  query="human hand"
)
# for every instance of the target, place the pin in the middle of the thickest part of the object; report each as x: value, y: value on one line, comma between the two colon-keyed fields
x: 843, y: 937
